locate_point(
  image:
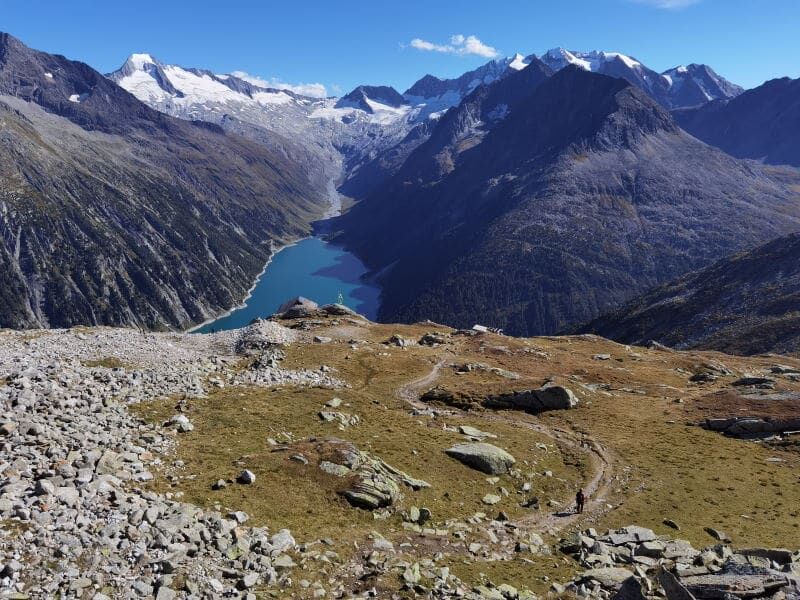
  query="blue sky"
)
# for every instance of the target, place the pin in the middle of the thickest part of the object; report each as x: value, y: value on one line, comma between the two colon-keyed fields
x: 339, y: 43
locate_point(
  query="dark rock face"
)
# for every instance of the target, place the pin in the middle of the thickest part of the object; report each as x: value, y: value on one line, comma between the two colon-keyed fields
x: 377, y: 170
x: 370, y: 175
x: 752, y: 426
x: 465, y: 126
x: 432, y: 87
x: 748, y: 303
x: 762, y: 123
x: 582, y: 195
x: 363, y: 94
x: 112, y: 213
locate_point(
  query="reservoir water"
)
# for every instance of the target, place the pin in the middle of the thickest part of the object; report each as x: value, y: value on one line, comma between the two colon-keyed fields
x: 312, y: 268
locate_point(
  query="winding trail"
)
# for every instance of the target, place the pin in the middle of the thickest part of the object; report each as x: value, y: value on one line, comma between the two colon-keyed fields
x: 410, y: 392
x: 601, y: 461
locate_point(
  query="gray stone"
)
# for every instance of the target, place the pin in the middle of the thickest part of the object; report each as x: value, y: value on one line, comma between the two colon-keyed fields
x: 608, y: 577
x: 780, y: 556
x: 284, y: 561
x: 673, y: 589
x: 474, y: 432
x: 44, y: 488
x: 248, y: 581
x: 165, y: 593
x: 629, y: 534
x: 483, y: 457
x: 334, y: 469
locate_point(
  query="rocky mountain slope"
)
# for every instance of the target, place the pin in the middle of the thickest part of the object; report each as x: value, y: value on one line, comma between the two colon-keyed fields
x: 330, y: 137
x: 301, y: 457
x: 364, y: 137
x: 583, y: 194
x: 762, y: 124
x: 114, y: 213
x: 748, y: 303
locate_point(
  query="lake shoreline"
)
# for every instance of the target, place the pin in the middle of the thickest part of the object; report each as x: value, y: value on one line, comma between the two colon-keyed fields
x: 249, y: 294
x: 300, y: 280
x: 333, y: 210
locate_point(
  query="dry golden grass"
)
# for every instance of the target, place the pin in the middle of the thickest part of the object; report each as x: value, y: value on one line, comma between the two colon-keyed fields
x: 665, y: 466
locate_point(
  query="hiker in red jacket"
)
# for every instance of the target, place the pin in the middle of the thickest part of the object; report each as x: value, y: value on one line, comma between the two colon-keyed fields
x: 580, y: 499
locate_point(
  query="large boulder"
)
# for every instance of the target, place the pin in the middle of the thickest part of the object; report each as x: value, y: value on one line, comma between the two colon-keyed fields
x: 752, y: 426
x: 629, y: 534
x: 556, y: 397
x: 483, y: 457
x: 720, y: 585
x: 608, y: 577
x: 298, y: 308
x: 547, y: 397
x: 372, y: 483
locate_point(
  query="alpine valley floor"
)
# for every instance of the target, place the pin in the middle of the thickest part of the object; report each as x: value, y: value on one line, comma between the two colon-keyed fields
x: 306, y: 457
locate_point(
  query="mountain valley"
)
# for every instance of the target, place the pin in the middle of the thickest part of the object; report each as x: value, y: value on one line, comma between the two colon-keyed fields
x: 167, y: 433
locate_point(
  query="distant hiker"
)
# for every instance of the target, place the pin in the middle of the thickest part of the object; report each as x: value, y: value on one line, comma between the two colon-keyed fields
x: 579, y: 501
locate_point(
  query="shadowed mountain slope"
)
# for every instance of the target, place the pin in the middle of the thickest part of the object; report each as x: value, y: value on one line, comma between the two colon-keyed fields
x: 762, y: 123
x: 113, y: 213
x: 747, y: 303
x: 584, y: 193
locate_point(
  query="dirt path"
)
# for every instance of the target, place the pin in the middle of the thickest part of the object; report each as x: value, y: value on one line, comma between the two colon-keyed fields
x: 410, y: 392
x: 596, y: 488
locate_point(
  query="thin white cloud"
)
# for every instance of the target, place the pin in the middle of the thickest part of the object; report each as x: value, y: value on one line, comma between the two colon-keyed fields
x: 459, y: 44
x: 667, y: 4
x: 314, y: 90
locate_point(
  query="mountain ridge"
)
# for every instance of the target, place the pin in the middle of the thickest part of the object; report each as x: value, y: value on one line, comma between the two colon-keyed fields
x: 436, y: 244
x: 115, y: 213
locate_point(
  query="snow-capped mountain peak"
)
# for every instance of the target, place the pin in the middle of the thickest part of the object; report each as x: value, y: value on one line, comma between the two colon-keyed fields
x: 558, y: 58
x: 695, y: 84
x: 440, y: 94
x: 518, y: 62
x: 678, y: 87
x: 140, y: 60
x: 159, y: 84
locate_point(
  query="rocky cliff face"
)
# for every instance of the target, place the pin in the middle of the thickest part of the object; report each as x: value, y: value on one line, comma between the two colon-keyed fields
x: 748, y: 303
x: 113, y: 213
x: 585, y: 193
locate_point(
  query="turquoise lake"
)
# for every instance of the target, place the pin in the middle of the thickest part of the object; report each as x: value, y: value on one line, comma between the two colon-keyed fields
x: 312, y: 268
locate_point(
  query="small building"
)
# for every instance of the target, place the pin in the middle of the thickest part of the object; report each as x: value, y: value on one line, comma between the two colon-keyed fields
x: 485, y: 329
